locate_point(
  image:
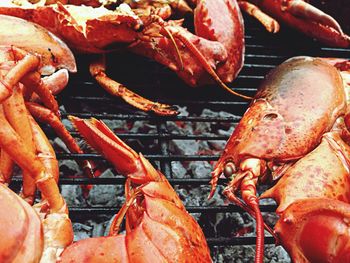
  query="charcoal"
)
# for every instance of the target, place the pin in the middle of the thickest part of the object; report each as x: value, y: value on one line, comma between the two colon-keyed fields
x: 81, y: 231
x: 178, y: 170
x: 106, y: 195
x: 188, y: 147
x: 200, y: 169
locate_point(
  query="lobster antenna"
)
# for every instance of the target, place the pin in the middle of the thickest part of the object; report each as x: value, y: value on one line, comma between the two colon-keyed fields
x: 207, y: 67
x: 176, y: 48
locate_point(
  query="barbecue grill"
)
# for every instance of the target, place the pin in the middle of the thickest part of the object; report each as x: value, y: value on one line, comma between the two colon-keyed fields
x: 161, y: 138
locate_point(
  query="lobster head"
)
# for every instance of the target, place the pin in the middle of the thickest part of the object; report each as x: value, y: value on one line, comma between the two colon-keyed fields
x: 255, y: 138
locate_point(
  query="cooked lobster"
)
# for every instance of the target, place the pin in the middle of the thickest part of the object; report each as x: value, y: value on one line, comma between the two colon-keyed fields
x: 26, y: 52
x: 298, y: 102
x: 298, y: 14
x: 215, y: 52
x: 158, y: 227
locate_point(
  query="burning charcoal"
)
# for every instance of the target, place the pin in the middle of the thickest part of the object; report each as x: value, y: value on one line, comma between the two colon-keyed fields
x: 200, y: 169
x: 99, y: 229
x: 142, y: 127
x: 244, y: 254
x: 68, y: 124
x: 217, y: 145
x: 188, y: 147
x: 178, y: 170
x: 226, y: 132
x: 108, y: 225
x: 217, y: 199
x: 179, y: 127
x: 69, y: 167
x: 106, y: 195
x: 230, y: 225
x: 119, y: 124
x: 81, y: 231
x: 209, y: 113
x: 236, y: 254
x: 276, y: 254
x: 73, y: 195
x: 204, y: 128
x: 203, y: 146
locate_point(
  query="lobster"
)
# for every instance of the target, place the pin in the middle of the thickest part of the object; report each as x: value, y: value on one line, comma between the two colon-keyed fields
x: 158, y: 227
x: 298, y: 14
x: 313, y: 197
x: 25, y: 53
x: 338, y: 9
x: 297, y: 103
x: 41, y: 232
x: 215, y: 52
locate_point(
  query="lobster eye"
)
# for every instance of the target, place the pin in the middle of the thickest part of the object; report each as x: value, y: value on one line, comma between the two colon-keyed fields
x: 229, y: 169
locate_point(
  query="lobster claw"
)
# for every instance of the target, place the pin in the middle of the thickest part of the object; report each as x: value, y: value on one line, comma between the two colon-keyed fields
x: 314, y: 22
x: 125, y: 160
x: 316, y: 230
x: 309, y: 12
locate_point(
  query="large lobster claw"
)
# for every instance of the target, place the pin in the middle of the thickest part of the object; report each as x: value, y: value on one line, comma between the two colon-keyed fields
x: 158, y: 227
x: 316, y: 230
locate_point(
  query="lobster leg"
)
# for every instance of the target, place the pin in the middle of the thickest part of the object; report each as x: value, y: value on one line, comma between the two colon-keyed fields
x: 115, y: 226
x: 18, y: 117
x: 6, y: 167
x: 268, y: 22
x: 34, y: 82
x: 46, y: 116
x: 158, y: 228
x: 15, y: 74
x: 203, y: 61
x: 18, y: 151
x: 98, y: 71
x: 44, y: 150
x: 247, y: 184
x: 58, y: 232
x: 56, y: 82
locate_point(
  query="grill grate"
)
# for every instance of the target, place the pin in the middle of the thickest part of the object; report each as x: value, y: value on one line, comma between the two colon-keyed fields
x: 83, y: 98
